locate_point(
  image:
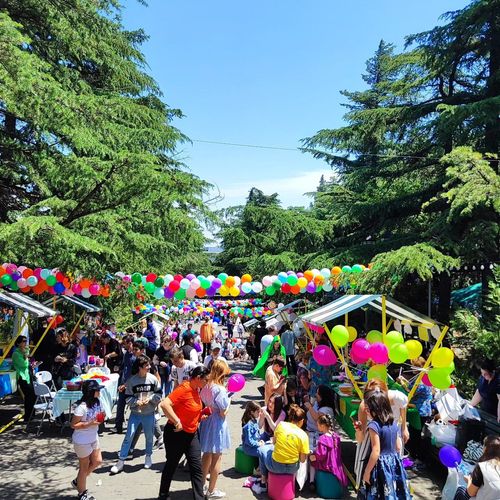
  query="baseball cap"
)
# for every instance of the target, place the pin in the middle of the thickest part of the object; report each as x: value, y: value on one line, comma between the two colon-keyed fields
x: 93, y: 385
x: 216, y: 346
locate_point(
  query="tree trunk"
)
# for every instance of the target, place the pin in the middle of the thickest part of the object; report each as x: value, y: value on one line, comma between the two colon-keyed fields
x: 444, y: 306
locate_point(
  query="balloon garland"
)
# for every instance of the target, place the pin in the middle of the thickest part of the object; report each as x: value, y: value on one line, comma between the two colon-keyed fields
x: 53, y: 281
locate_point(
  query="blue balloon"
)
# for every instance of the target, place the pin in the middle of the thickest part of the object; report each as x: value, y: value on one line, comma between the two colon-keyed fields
x: 450, y: 456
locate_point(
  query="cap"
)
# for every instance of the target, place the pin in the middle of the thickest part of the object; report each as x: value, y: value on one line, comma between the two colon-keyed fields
x: 93, y: 385
x: 216, y: 346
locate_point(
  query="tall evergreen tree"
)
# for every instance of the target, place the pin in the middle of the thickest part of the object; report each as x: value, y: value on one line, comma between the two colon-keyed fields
x: 88, y: 173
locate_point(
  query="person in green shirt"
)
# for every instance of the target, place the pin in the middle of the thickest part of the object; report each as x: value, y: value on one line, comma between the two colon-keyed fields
x: 21, y: 364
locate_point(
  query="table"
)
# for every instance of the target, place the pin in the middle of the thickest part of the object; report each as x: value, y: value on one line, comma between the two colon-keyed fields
x: 64, y: 399
x: 8, y: 383
x: 347, y: 406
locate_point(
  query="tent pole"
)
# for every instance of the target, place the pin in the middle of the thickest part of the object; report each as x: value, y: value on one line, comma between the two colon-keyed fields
x: 310, y: 335
x: 427, y: 363
x: 343, y: 361
x: 77, y: 324
x: 384, y: 319
x: 346, y: 320
x: 9, y: 347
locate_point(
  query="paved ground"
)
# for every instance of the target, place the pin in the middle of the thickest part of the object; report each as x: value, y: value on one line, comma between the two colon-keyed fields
x: 42, y: 467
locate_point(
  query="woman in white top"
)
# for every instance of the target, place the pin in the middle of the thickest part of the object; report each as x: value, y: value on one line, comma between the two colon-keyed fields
x: 271, y: 415
x: 85, y: 422
x: 324, y: 404
x: 484, y: 483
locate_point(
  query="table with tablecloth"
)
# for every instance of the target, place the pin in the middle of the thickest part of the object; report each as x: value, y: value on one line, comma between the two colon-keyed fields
x: 64, y: 399
x: 8, y: 383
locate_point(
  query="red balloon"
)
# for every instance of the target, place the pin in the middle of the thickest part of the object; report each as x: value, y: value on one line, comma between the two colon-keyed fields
x: 285, y: 288
x: 174, y: 286
x: 27, y: 272
x: 178, y: 277
x: 59, y: 319
x: 60, y: 276
x: 151, y: 277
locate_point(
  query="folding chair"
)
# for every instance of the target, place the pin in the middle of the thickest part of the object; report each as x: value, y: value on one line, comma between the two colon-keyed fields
x: 43, y: 405
x: 45, y: 377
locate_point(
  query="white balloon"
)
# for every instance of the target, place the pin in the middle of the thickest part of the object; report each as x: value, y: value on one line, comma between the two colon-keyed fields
x: 325, y: 273
x: 327, y: 287
x: 257, y: 286
x: 85, y: 293
x: 237, y: 280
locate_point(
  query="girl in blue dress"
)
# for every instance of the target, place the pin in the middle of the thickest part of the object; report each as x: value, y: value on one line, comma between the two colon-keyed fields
x: 214, y: 430
x: 384, y: 477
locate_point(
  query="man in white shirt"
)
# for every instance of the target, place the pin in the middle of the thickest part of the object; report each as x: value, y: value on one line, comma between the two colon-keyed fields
x: 267, y: 339
x: 181, y: 368
x: 214, y: 356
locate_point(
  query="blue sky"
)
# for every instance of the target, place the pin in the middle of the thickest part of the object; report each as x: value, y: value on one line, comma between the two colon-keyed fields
x: 266, y: 73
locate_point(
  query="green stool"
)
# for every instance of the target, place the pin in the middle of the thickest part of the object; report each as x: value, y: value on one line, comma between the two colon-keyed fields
x: 243, y: 463
x: 328, y: 486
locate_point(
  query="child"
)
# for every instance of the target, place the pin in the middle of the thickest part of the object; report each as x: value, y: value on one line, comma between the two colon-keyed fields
x: 384, y: 476
x: 251, y: 437
x: 85, y: 423
x: 327, y: 455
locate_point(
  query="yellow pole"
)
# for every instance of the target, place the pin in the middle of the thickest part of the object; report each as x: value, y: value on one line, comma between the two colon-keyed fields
x: 77, y: 324
x: 346, y: 320
x: 342, y: 360
x: 49, y: 325
x: 384, y: 319
x: 427, y: 363
x: 9, y: 347
x: 310, y: 335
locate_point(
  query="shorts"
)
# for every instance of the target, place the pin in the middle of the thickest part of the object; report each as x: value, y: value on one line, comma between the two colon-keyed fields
x: 85, y: 450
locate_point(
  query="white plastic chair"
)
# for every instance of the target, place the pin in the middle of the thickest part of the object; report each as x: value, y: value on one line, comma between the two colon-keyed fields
x: 45, y: 377
x: 43, y: 404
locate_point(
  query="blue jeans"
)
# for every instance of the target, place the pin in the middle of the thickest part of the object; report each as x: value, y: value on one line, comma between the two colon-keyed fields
x: 268, y: 464
x: 148, y: 425
x: 166, y: 385
x: 251, y: 451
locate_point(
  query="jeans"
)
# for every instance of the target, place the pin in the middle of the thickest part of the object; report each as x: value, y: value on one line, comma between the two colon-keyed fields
x: 268, y: 464
x: 157, y: 433
x: 148, y: 425
x: 180, y: 443
x: 166, y: 385
x: 251, y: 451
x: 120, y: 410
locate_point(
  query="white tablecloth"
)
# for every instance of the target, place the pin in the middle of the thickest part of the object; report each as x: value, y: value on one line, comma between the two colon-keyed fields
x: 64, y: 399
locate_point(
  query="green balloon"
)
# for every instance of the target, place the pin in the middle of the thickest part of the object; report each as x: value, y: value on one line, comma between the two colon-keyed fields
x: 357, y: 269
x: 393, y: 338
x: 440, y: 378
x: 6, y: 279
x: 137, y: 278
x: 340, y: 335
x: 180, y: 294
x: 398, y: 353
x: 14, y: 286
x: 222, y: 277
x: 377, y: 371
x: 346, y: 269
x: 270, y: 290
x: 149, y: 287
x: 374, y: 336
x: 449, y: 369
x: 159, y: 282
x: 205, y: 284
x: 51, y: 280
x: 131, y: 289
x: 277, y: 285
x: 292, y: 280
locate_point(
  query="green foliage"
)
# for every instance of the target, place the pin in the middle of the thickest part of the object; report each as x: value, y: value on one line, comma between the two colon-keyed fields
x: 88, y: 174
x: 475, y: 337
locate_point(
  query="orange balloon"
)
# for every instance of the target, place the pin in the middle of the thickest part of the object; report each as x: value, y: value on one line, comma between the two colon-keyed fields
x: 230, y: 281
x: 295, y: 289
x: 246, y: 278
x: 40, y: 287
x: 336, y: 270
x: 26, y: 289
x: 201, y: 292
x: 85, y: 283
x: 319, y: 280
x: 308, y: 275
x: 27, y: 273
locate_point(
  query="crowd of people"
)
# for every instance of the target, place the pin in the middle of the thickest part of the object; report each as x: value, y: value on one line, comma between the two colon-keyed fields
x: 179, y: 372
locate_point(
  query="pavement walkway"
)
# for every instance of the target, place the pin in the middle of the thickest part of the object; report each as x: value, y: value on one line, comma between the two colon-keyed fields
x: 42, y: 467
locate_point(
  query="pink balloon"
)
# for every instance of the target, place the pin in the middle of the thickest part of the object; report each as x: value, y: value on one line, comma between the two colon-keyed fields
x: 379, y: 353
x: 235, y: 383
x: 324, y: 356
x: 426, y: 381
x: 360, y: 351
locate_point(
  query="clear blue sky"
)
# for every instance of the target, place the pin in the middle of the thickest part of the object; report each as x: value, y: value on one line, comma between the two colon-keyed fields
x: 266, y: 73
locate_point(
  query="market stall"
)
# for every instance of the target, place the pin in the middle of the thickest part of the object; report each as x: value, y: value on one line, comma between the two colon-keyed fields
x: 371, y: 355
x: 24, y: 307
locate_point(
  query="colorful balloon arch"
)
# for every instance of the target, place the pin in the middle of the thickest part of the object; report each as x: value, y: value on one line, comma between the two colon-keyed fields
x: 53, y: 281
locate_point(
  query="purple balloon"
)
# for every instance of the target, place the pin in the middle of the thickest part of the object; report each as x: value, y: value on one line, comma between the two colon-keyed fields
x: 450, y: 456
x: 216, y: 283
x: 198, y: 347
x: 168, y: 293
x: 15, y: 276
x: 300, y: 275
x: 311, y: 287
x: 190, y: 277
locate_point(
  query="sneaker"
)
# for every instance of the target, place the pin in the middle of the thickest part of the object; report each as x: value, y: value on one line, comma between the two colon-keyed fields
x: 118, y: 467
x: 215, y: 494
x: 259, y: 488
x: 131, y: 453
x: 205, y: 489
x: 148, y: 462
x: 115, y: 430
x: 86, y: 496
x: 74, y: 484
x: 158, y: 444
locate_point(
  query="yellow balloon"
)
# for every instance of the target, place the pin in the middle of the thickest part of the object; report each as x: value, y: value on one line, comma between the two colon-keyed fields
x: 442, y: 357
x: 353, y: 334
x: 414, y: 348
x: 234, y: 291
x: 224, y: 291
x: 377, y: 371
x: 302, y: 282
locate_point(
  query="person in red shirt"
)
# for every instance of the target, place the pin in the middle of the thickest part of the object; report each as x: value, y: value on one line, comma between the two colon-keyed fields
x: 183, y: 409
